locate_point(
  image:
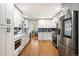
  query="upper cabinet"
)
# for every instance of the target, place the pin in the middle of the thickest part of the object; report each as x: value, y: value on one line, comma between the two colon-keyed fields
x: 2, y: 13
x: 9, y: 14
x: 45, y: 24
x: 26, y: 23
x: 6, y: 13
x: 17, y: 18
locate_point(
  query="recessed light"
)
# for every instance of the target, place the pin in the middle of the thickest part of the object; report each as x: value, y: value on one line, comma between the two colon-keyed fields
x: 24, y: 8
x: 58, y: 8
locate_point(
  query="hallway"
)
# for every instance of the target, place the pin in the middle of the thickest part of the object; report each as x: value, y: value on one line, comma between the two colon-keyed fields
x: 55, y: 25
x: 39, y: 48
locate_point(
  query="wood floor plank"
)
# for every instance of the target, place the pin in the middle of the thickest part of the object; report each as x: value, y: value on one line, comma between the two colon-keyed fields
x: 39, y: 48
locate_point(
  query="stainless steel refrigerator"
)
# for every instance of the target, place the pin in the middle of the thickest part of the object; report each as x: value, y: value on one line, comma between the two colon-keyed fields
x: 68, y: 43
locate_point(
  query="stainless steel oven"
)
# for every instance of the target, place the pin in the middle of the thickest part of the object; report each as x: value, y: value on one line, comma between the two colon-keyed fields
x: 17, y: 43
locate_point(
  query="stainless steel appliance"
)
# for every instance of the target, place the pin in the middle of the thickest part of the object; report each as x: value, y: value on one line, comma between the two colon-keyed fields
x: 54, y: 36
x: 68, y: 43
x: 17, y: 43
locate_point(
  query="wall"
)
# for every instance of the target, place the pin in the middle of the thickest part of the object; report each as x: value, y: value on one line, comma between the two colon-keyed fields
x: 73, y: 6
x: 65, y: 7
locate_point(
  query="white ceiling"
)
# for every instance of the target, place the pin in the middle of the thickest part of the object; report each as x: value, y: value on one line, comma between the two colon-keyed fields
x: 39, y: 10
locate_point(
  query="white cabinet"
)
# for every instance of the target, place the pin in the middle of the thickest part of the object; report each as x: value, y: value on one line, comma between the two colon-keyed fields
x: 2, y: 40
x: 23, y: 39
x: 27, y: 38
x: 2, y: 13
x: 6, y: 13
x: 44, y: 23
x: 9, y: 41
x: 6, y: 41
x: 45, y: 36
x: 6, y: 30
x: 17, y: 18
x: 9, y: 14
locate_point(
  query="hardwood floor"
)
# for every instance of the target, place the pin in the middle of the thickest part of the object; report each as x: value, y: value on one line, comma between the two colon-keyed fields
x: 39, y: 48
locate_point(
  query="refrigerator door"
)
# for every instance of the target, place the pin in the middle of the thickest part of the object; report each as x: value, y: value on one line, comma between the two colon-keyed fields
x: 75, y: 29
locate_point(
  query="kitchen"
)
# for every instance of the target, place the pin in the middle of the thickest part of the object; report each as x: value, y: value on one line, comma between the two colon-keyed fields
x: 53, y: 22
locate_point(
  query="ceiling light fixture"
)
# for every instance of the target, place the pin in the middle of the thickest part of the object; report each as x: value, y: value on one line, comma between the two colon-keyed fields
x: 58, y: 8
x: 23, y: 8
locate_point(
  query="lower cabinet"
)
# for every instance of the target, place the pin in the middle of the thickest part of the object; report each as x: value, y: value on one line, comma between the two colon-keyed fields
x: 6, y: 41
x: 9, y: 41
x: 24, y: 40
x: 45, y: 36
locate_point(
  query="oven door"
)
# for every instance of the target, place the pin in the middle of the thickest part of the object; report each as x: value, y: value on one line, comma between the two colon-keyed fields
x: 17, y: 43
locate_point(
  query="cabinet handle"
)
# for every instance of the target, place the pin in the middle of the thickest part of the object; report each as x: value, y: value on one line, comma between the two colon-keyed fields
x: 8, y: 21
x: 8, y: 29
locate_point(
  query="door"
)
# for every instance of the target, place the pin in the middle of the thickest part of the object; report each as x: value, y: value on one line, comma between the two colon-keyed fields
x: 9, y: 41
x: 2, y: 40
x: 2, y: 13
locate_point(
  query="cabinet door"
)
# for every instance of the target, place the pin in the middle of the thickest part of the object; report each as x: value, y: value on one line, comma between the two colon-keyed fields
x: 2, y: 41
x: 9, y: 14
x: 9, y: 41
x: 2, y: 13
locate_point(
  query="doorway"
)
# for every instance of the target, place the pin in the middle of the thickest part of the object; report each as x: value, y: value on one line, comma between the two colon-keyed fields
x: 34, y: 29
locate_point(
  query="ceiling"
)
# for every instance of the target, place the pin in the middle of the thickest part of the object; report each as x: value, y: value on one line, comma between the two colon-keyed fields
x: 39, y: 10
